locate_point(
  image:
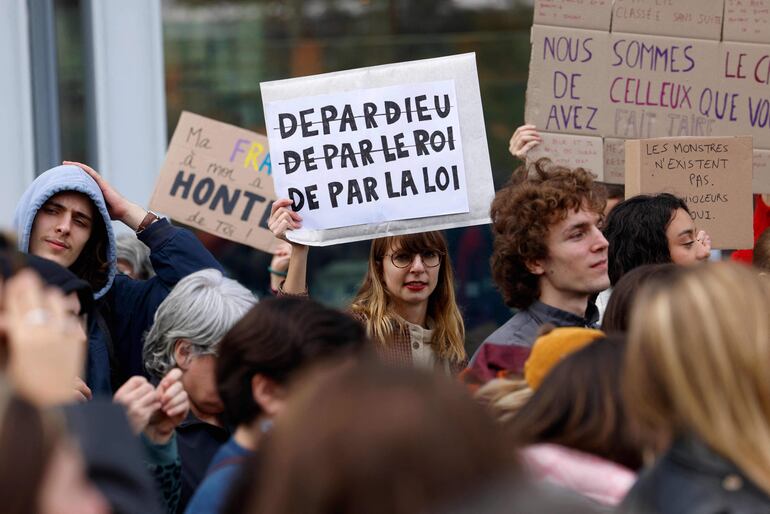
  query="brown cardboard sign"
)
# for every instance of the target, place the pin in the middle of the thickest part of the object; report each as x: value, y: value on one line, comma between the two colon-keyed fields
x: 217, y: 178
x: 713, y: 175
x: 576, y: 14
x: 567, y: 81
x: 761, y: 182
x: 656, y: 84
x: 571, y: 151
x: 700, y: 19
x: 741, y: 100
x: 747, y: 21
x: 614, y: 160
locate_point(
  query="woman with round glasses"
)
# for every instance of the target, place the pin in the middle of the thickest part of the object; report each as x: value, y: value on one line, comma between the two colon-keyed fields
x: 406, y: 301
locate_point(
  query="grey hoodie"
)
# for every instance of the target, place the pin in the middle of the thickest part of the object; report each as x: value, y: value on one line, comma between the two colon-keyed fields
x: 57, y: 180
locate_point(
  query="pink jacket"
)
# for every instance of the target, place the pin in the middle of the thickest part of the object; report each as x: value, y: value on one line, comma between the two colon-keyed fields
x: 593, y: 477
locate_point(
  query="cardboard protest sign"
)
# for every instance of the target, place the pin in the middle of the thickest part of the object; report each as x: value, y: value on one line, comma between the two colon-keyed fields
x: 761, y: 180
x: 713, y: 175
x: 747, y: 21
x: 656, y: 84
x: 697, y: 19
x: 218, y: 178
x: 614, y: 160
x: 571, y: 151
x: 741, y: 103
x: 577, y: 14
x: 381, y: 151
x: 567, y: 81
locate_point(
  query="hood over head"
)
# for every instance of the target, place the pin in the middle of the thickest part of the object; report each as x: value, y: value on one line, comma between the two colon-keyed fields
x: 57, y: 180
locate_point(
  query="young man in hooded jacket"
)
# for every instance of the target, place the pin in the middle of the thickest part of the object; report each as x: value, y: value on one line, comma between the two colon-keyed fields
x: 65, y: 216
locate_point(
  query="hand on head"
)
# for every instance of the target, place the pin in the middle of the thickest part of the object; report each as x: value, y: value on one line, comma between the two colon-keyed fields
x: 523, y: 140
x: 46, y: 346
x: 118, y: 206
x: 282, y: 218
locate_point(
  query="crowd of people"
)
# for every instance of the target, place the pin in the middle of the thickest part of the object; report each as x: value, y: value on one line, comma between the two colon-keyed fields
x: 138, y: 377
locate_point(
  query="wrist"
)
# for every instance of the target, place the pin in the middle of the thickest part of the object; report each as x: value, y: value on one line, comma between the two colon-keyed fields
x: 276, y: 272
x: 158, y: 436
x: 134, y: 216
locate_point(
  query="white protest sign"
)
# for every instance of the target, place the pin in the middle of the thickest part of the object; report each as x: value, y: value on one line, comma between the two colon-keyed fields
x: 370, y: 155
x: 380, y: 151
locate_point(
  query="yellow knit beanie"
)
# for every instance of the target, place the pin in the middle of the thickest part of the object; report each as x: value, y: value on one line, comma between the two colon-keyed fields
x: 552, y: 347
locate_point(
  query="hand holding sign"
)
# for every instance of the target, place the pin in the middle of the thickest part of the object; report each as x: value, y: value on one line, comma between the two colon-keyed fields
x: 382, y: 150
x: 218, y: 178
x: 283, y: 218
x: 523, y: 140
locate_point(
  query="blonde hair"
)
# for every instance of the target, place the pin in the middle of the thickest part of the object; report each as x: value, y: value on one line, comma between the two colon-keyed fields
x: 504, y: 396
x: 373, y: 302
x: 696, y: 362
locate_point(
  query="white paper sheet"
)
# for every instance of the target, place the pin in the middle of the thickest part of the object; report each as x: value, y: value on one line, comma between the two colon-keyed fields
x: 459, y: 69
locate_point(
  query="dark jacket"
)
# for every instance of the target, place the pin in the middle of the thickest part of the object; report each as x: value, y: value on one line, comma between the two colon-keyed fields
x: 508, y: 347
x: 691, y: 478
x: 113, y: 457
x: 125, y: 307
x: 129, y: 306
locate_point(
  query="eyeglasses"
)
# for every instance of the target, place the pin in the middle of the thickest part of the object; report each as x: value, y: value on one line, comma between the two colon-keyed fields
x: 430, y: 259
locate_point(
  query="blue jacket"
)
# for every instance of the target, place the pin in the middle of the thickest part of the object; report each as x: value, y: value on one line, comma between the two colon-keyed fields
x: 125, y: 307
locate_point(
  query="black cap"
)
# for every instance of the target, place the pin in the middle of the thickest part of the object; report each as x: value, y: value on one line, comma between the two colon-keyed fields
x: 53, y: 274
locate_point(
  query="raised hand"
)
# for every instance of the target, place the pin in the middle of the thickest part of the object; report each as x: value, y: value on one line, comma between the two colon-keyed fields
x: 46, y: 346
x: 523, y: 140
x: 140, y: 400
x: 282, y: 218
x: 118, y: 206
x: 174, y: 406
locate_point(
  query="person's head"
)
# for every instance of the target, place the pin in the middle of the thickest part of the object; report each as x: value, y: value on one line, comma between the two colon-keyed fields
x: 370, y: 440
x: 188, y: 327
x: 78, y: 297
x: 651, y: 229
x: 697, y: 358
x: 133, y: 257
x: 411, y: 270
x: 62, y: 216
x: 615, y: 195
x: 579, y: 405
x: 505, y: 395
x: 617, y: 316
x: 41, y: 469
x: 547, y: 236
x: 275, y: 340
x: 761, y: 257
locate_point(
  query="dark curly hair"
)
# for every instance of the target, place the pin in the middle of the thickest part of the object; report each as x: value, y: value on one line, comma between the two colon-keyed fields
x: 538, y: 196
x: 636, y: 232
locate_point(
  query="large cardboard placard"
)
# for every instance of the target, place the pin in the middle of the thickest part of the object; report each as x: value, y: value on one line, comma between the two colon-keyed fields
x: 576, y: 14
x: 713, y: 175
x: 747, y: 21
x: 218, y: 178
x: 661, y: 72
x: 742, y: 100
x: 571, y: 151
x: 655, y: 85
x: 567, y: 81
x: 701, y: 19
x: 417, y: 133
